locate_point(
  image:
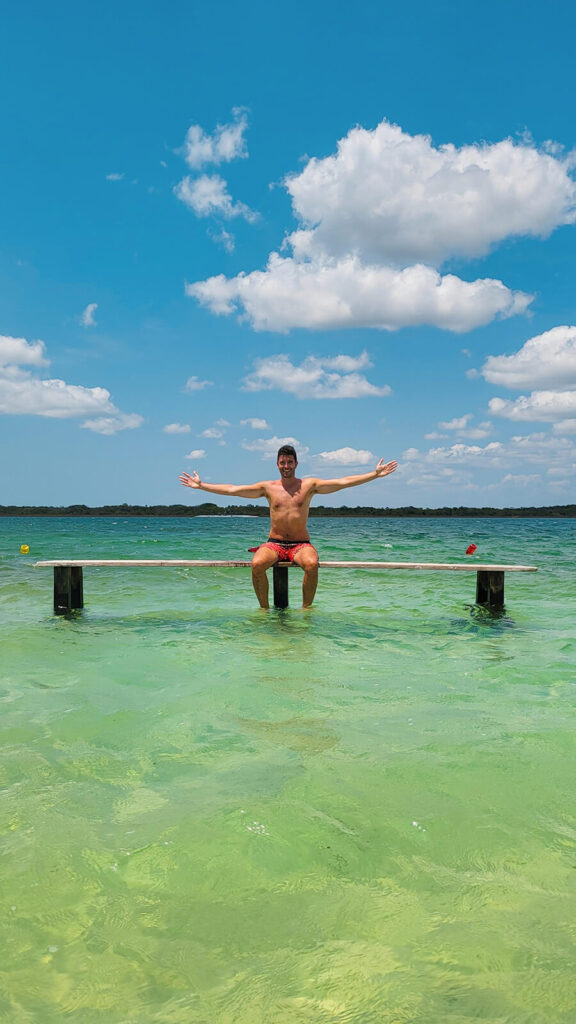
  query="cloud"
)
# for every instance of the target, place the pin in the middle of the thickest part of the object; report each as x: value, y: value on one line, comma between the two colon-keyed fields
x: 314, y: 378
x: 21, y: 393
x: 565, y: 427
x: 226, y: 142
x: 114, y: 177
x: 346, y: 293
x: 87, y: 318
x: 376, y: 221
x: 196, y: 453
x: 460, y: 463
x: 177, y: 428
x: 109, y: 425
x: 208, y: 196
x: 212, y: 432
x: 395, y: 198
x: 193, y: 384
x: 520, y: 479
x: 269, y: 446
x: 225, y: 239
x: 541, y: 406
x: 24, y: 395
x: 19, y: 352
x: 547, y: 360
x: 347, y: 457
x: 222, y: 423
x: 460, y: 425
x: 255, y: 423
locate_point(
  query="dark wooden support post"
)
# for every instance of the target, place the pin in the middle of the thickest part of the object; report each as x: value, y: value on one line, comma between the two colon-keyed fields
x: 76, y: 587
x: 490, y: 590
x: 62, y: 589
x: 280, y: 579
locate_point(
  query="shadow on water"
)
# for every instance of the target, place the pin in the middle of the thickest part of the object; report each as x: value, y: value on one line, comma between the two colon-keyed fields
x: 483, y: 620
x: 346, y: 628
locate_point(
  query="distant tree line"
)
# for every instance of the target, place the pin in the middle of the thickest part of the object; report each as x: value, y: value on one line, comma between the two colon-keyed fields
x: 367, y: 511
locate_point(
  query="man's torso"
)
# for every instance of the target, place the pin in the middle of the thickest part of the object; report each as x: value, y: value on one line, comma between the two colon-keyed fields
x: 289, y: 506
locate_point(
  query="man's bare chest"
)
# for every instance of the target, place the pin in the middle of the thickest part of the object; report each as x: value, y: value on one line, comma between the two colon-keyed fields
x: 292, y: 502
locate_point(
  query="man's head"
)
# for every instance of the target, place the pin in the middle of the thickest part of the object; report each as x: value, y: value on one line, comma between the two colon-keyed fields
x: 287, y: 460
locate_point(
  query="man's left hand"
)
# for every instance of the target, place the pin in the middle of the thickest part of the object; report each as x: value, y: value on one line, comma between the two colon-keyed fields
x: 383, y: 469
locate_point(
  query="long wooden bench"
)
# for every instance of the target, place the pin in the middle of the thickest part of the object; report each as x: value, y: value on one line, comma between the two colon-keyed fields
x: 69, y: 584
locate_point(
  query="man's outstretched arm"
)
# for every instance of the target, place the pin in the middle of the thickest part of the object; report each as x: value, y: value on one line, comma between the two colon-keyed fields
x: 328, y: 486
x: 231, y: 490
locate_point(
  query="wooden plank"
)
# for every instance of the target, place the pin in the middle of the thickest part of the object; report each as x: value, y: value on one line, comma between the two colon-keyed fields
x: 280, y: 582
x: 200, y: 563
x: 62, y: 590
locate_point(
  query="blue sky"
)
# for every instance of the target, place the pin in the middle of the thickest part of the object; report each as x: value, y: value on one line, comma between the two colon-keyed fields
x: 226, y: 227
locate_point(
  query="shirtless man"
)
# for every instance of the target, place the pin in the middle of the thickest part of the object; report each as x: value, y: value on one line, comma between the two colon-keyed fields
x: 289, y: 500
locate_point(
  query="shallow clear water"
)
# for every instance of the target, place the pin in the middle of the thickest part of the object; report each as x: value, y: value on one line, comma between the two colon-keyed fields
x: 359, y: 815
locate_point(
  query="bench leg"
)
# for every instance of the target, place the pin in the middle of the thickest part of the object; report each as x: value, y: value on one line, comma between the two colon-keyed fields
x: 76, y: 587
x: 490, y: 590
x: 62, y: 589
x: 280, y: 582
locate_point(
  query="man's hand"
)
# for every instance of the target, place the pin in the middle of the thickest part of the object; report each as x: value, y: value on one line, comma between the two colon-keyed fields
x: 384, y: 470
x: 191, y: 481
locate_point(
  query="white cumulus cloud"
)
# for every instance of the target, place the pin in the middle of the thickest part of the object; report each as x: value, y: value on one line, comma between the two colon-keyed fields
x: 19, y: 352
x: 314, y: 377
x: 109, y: 425
x: 269, y: 446
x: 546, y: 361
x: 346, y: 293
x: 255, y: 423
x: 23, y: 393
x: 378, y: 218
x: 208, y: 196
x: 540, y: 406
x: 211, y: 432
x: 461, y: 464
x: 347, y: 457
x: 226, y: 142
x: 460, y: 425
x: 565, y: 427
x: 196, y: 453
x: 194, y: 384
x: 177, y: 428
x: 87, y: 317
x: 396, y: 198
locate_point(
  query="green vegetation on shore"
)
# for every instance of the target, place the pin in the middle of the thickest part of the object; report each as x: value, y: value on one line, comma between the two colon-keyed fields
x: 210, y: 509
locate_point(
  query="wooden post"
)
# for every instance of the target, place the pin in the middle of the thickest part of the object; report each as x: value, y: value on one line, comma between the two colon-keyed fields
x: 280, y: 579
x: 490, y: 590
x: 76, y: 587
x: 62, y: 589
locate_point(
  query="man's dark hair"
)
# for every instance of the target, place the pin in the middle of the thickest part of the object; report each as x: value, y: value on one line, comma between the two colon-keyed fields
x: 287, y: 449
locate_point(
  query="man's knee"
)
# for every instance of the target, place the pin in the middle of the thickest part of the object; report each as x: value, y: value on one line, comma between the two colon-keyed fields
x: 309, y: 561
x: 260, y: 563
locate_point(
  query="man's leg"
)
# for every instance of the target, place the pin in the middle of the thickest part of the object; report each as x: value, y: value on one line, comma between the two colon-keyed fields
x: 307, y: 558
x: 261, y: 561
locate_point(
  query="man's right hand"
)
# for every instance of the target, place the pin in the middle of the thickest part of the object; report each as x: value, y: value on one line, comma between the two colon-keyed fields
x: 191, y: 481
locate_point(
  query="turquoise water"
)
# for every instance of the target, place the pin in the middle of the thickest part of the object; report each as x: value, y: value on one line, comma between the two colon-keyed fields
x: 363, y: 814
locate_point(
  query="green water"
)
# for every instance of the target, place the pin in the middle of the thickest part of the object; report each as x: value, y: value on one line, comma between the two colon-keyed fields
x: 364, y: 814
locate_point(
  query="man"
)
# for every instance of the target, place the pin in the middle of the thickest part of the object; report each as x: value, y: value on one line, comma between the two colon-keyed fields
x: 289, y: 500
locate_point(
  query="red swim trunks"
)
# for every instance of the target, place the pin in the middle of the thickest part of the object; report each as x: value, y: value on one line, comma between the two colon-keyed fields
x: 285, y: 549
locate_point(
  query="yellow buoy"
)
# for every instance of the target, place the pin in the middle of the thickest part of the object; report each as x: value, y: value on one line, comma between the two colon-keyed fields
x: 24, y: 549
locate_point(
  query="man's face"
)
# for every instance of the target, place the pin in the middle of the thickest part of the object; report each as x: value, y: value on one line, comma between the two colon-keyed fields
x: 287, y: 466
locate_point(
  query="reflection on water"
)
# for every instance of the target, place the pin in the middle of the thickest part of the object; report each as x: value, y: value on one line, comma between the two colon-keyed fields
x: 362, y: 815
